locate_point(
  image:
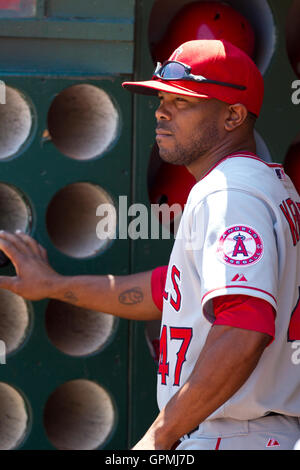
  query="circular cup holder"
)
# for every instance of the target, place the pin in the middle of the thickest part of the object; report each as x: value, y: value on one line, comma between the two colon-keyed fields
x: 14, y: 320
x: 83, y: 122
x: 79, y: 415
x: 72, y: 220
x: 13, y: 417
x: 77, y: 331
x: 15, y: 123
x: 15, y: 211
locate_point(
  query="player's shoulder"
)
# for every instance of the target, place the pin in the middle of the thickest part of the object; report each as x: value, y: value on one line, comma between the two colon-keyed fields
x: 242, y: 172
x: 245, y: 164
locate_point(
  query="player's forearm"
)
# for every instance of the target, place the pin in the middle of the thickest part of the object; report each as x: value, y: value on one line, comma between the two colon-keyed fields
x: 124, y: 296
x: 227, y: 360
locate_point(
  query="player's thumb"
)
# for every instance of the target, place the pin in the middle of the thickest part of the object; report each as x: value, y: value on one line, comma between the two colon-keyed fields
x: 7, y: 282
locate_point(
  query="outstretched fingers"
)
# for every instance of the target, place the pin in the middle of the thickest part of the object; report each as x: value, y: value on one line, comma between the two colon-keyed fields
x: 29, y: 242
x: 12, y: 241
x: 10, y: 250
x: 9, y: 246
x: 7, y: 282
x: 14, y: 248
x: 30, y: 261
x: 44, y: 253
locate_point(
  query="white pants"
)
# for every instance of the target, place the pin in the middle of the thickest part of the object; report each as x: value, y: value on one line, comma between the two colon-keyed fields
x: 274, y: 432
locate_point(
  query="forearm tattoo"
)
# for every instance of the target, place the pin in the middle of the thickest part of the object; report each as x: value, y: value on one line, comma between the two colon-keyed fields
x: 70, y: 296
x: 131, y: 296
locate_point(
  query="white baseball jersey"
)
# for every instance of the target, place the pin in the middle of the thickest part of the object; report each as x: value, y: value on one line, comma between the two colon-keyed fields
x: 239, y: 234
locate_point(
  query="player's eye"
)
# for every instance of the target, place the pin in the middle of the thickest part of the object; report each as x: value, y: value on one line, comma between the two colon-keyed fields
x: 181, y: 100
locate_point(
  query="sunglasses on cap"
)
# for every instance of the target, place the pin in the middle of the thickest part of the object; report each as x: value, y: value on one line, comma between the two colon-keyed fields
x: 173, y: 70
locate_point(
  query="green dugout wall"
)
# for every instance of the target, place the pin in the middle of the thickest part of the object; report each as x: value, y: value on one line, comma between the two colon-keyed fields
x: 72, y: 139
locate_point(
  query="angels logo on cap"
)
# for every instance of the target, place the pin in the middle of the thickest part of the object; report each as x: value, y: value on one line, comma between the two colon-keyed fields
x: 240, y: 245
x: 216, y: 69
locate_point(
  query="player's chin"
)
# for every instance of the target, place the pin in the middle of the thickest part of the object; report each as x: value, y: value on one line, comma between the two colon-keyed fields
x: 170, y: 156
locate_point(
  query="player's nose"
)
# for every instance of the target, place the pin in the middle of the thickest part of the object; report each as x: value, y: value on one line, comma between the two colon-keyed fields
x: 163, y: 112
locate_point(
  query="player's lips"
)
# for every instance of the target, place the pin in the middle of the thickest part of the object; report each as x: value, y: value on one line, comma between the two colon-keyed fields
x: 161, y: 133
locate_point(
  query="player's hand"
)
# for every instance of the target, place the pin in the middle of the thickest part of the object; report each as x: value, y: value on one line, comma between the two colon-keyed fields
x: 34, y: 276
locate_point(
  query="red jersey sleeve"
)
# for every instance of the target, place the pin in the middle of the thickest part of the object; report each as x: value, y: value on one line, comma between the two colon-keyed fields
x: 158, y: 281
x: 243, y: 311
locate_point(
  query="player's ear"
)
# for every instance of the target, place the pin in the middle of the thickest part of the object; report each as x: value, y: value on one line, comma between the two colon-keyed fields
x: 235, y: 116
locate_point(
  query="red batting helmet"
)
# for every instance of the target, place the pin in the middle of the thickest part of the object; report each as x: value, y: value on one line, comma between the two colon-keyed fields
x: 295, y: 61
x: 292, y: 164
x: 206, y: 20
x: 172, y: 185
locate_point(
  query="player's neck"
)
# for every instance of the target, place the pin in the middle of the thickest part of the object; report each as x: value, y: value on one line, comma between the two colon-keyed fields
x: 201, y: 166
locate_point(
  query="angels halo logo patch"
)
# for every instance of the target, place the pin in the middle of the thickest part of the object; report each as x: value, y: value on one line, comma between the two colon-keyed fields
x: 240, y: 245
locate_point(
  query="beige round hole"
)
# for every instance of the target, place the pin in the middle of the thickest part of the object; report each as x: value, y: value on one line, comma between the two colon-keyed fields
x: 77, y: 331
x: 79, y: 415
x: 15, y: 123
x: 14, y: 320
x: 73, y: 220
x: 15, y: 212
x: 13, y: 417
x: 83, y: 121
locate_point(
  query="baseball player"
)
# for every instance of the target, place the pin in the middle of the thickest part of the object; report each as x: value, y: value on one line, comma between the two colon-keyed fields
x: 231, y: 308
x: 234, y: 265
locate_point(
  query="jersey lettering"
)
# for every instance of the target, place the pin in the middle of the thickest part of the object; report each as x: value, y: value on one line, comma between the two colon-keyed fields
x: 174, y: 301
x: 176, y: 333
x: 290, y: 210
x: 165, y: 294
x: 175, y: 275
x: 184, y: 334
x: 163, y: 365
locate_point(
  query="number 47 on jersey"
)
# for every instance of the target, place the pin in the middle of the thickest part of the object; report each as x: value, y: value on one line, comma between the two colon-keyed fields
x: 183, y: 336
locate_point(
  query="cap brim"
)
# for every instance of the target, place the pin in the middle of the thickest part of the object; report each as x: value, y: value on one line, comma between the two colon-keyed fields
x: 151, y: 87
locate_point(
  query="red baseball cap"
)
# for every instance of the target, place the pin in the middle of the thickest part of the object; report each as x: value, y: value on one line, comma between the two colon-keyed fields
x: 216, y: 60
